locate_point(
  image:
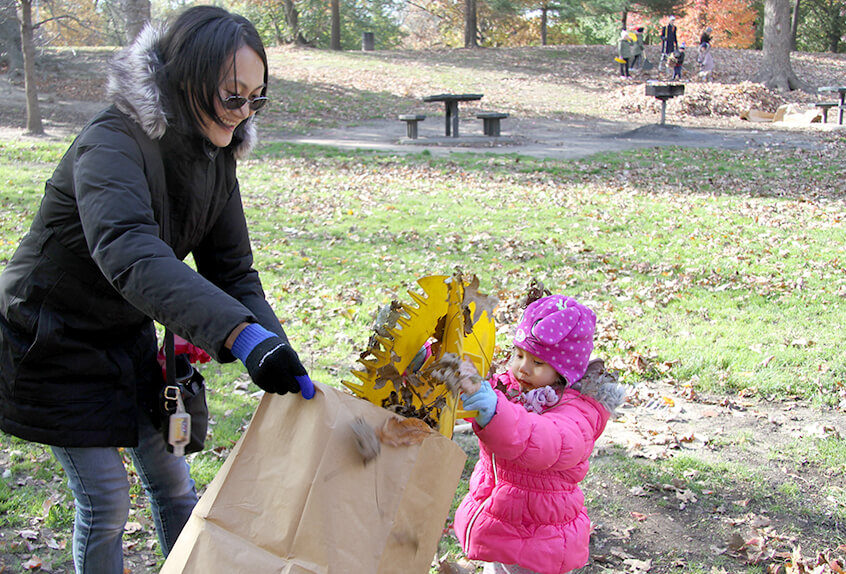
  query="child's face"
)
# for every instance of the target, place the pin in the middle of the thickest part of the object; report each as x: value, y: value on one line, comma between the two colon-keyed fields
x: 530, y: 371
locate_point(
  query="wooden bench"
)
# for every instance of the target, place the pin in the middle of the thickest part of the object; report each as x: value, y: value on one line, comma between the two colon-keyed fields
x: 825, y: 106
x: 411, y: 124
x: 490, y: 122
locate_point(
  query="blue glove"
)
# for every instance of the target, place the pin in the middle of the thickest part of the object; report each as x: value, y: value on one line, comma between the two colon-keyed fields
x: 271, y: 362
x: 484, y: 401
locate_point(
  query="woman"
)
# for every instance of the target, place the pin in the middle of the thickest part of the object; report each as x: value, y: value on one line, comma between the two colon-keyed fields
x: 148, y: 181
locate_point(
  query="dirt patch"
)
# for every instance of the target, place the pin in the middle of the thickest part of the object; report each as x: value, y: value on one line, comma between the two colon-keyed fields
x: 670, y: 523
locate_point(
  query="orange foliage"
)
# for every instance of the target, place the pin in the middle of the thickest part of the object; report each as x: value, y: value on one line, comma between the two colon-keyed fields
x: 732, y: 21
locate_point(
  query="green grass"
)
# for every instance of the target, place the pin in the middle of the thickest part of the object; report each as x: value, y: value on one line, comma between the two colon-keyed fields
x: 727, y: 274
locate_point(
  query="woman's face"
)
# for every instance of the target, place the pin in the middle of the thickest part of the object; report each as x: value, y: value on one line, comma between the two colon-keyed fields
x: 248, y: 83
x: 530, y: 371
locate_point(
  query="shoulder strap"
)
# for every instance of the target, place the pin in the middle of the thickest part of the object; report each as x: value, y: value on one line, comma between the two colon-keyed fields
x: 158, y: 193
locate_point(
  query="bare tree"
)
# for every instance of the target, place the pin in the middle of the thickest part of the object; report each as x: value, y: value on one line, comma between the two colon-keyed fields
x: 33, y: 112
x: 137, y: 14
x: 335, y: 39
x: 776, y: 72
x: 470, y: 24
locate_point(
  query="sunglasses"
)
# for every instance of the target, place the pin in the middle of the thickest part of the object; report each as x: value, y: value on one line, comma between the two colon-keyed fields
x: 237, y: 102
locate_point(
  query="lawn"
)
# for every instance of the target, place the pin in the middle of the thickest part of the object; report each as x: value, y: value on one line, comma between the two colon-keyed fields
x: 718, y: 278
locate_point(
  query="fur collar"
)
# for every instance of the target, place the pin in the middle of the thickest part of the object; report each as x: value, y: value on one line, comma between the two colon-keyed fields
x: 602, y: 385
x: 132, y: 88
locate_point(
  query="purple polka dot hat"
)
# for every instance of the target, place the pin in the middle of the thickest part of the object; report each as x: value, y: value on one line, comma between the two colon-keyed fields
x: 558, y: 330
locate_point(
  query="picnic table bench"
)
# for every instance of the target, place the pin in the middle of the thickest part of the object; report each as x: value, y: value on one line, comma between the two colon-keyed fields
x: 451, y: 107
x: 490, y: 122
x: 837, y: 90
x: 411, y: 121
x: 825, y: 106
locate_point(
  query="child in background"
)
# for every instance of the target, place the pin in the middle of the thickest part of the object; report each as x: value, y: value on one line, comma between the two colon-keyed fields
x: 678, y: 62
x: 537, y: 426
x: 706, y: 61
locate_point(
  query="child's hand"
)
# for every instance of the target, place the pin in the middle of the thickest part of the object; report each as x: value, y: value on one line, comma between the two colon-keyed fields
x: 469, y: 379
x: 484, y: 401
x: 459, y: 375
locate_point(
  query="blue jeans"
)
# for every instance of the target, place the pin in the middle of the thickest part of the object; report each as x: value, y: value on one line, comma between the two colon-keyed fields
x: 100, y: 488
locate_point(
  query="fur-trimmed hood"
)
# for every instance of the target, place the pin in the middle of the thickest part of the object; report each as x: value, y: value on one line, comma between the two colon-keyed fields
x: 133, y: 89
x: 603, y: 386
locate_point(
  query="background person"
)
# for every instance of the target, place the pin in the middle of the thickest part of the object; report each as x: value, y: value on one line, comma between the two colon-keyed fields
x: 624, y: 52
x: 669, y: 43
x: 677, y: 61
x: 148, y: 181
x: 706, y: 61
x: 637, y: 49
x: 537, y: 426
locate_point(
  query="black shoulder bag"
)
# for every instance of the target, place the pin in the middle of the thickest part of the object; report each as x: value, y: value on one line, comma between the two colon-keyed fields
x: 184, y: 414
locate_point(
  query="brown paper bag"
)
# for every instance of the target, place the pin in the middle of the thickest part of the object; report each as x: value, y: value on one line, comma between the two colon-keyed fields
x: 295, y: 496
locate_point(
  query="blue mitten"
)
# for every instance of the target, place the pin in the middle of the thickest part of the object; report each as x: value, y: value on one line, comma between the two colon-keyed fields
x: 271, y: 362
x: 484, y: 401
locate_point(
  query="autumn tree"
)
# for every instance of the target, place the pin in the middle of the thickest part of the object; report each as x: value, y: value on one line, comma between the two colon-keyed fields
x: 775, y: 71
x: 732, y: 21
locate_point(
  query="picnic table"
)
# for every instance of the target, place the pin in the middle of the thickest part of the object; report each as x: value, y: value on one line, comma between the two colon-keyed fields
x: 837, y: 90
x: 451, y: 106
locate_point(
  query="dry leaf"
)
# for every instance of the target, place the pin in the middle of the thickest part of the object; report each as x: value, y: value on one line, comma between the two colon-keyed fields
x: 736, y: 542
x: 404, y: 432
x: 33, y: 563
x: 483, y: 302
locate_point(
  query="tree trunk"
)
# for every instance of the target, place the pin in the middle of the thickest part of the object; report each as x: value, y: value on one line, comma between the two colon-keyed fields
x: 794, y: 26
x: 137, y: 14
x: 292, y: 19
x: 775, y: 71
x: 335, y: 40
x: 544, y: 10
x: 33, y: 112
x: 470, y: 29
x: 10, y: 38
x: 624, y: 16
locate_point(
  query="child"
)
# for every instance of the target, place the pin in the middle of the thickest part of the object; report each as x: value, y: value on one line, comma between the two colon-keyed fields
x: 536, y: 427
x: 705, y: 60
x: 678, y: 62
x: 624, y: 52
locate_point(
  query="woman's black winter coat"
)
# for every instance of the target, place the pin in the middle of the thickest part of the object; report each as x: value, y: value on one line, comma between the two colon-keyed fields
x: 102, y: 260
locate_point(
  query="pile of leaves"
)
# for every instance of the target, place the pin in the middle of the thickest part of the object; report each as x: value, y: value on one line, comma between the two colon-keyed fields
x: 701, y: 99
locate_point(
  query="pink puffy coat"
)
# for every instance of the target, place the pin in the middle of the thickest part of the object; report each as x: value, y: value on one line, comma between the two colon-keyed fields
x: 525, y: 506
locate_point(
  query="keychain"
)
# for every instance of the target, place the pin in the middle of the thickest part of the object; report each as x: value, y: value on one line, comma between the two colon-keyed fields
x: 179, y: 423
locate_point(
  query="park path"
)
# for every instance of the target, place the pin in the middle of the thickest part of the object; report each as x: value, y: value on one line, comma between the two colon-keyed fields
x: 542, y: 138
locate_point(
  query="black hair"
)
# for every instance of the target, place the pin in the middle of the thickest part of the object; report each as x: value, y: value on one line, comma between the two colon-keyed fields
x: 199, y: 44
